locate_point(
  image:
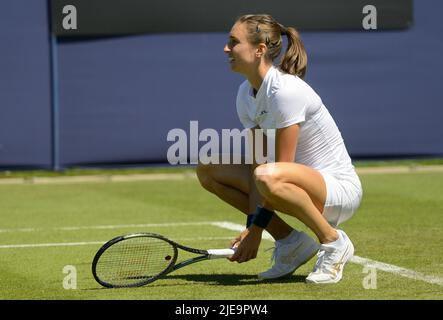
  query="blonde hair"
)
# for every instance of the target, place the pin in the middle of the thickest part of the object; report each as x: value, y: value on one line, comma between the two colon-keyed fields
x: 262, y: 28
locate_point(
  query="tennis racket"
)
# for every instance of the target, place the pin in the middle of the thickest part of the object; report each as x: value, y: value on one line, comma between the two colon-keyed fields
x: 137, y: 259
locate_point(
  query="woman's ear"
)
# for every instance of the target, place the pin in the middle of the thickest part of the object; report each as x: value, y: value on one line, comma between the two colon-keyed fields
x: 261, y: 50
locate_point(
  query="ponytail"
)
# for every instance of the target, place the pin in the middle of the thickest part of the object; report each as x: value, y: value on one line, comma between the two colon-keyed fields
x: 295, y: 59
x: 262, y: 28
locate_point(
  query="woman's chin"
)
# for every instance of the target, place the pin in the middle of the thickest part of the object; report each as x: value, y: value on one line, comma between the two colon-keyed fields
x: 234, y: 67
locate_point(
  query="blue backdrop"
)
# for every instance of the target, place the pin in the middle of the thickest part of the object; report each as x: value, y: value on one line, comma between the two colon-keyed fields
x: 119, y: 97
x: 25, y: 104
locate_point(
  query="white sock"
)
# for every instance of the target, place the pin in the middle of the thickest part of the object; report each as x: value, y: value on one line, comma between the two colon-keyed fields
x: 339, y: 242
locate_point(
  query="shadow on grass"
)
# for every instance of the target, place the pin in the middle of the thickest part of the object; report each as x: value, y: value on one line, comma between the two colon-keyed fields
x: 234, y: 279
x: 217, y: 279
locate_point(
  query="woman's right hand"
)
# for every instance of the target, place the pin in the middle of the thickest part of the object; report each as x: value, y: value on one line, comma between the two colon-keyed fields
x: 236, y: 242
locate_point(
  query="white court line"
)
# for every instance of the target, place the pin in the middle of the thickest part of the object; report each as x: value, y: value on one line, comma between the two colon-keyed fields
x: 74, y: 244
x: 109, y: 227
x: 397, y: 270
x: 187, y: 175
x: 238, y: 227
x: 96, y: 178
x: 42, y: 245
x: 407, y: 273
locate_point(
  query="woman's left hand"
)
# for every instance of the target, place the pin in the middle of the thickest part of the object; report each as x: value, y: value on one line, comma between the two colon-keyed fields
x: 247, y: 244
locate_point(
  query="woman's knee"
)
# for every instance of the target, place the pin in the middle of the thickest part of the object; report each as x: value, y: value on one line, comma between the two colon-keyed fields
x: 267, y: 179
x: 275, y: 181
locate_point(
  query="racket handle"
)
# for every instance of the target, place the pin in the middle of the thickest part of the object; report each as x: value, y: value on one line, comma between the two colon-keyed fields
x: 220, y: 253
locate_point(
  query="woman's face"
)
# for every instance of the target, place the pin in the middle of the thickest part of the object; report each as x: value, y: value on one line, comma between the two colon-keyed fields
x: 242, y: 54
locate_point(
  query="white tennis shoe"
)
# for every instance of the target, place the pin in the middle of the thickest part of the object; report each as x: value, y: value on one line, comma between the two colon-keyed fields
x: 332, y: 258
x: 289, y: 254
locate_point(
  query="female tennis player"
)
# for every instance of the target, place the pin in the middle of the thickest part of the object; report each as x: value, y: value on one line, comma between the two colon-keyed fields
x: 312, y: 178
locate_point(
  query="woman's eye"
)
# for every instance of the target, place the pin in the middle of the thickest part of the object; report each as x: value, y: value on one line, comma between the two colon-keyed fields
x: 232, y: 43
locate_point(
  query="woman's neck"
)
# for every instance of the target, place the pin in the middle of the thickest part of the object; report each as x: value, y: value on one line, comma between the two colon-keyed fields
x: 257, y: 77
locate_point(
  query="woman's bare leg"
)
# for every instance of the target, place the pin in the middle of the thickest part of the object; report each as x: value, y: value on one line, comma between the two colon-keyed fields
x: 231, y: 183
x: 296, y: 190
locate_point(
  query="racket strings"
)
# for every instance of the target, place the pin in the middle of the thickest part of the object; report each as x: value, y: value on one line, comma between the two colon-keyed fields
x: 134, y: 260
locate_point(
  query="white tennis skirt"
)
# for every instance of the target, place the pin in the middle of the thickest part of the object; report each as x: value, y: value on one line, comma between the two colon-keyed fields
x: 344, y: 194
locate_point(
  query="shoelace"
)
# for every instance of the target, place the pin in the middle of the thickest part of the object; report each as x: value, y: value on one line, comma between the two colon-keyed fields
x: 325, y: 257
x: 274, y: 254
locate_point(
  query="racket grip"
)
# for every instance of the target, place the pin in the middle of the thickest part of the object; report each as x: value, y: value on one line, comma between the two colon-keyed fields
x: 220, y: 253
